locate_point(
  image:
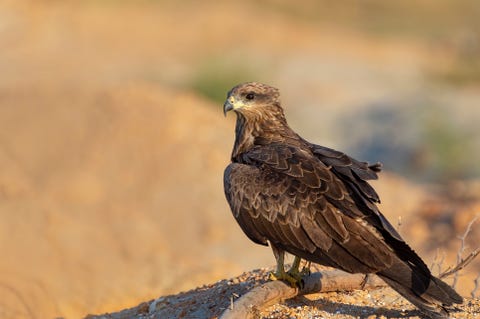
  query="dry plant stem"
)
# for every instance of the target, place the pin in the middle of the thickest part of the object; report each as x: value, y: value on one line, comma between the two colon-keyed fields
x: 462, y: 249
x: 273, y: 292
x: 477, y: 283
x: 437, y: 262
x: 461, y: 264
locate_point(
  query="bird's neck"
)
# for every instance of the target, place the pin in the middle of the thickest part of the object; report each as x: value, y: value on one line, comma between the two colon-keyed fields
x: 251, y: 132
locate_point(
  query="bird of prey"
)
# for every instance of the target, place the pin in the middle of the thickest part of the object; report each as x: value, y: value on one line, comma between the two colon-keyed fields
x: 316, y: 203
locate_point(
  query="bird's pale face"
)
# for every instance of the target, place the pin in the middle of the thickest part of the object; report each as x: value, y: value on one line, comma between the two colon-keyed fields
x: 249, y: 96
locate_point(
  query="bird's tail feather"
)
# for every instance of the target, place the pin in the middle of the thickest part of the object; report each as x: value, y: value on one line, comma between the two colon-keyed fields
x: 431, y: 295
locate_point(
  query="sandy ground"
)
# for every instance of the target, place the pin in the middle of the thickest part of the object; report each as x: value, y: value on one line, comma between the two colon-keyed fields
x: 210, y: 301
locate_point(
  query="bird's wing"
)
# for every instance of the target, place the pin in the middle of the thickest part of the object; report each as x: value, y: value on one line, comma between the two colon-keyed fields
x: 287, y: 196
x: 355, y: 175
x: 350, y: 169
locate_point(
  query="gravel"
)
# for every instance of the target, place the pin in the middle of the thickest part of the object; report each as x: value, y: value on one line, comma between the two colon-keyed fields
x: 209, y: 301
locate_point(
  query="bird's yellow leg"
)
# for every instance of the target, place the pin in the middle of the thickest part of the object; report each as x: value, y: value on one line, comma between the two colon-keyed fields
x: 292, y: 277
x: 294, y: 270
x: 296, y: 273
x: 279, y: 254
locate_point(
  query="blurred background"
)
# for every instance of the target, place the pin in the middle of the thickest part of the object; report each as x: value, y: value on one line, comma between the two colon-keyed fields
x: 113, y: 141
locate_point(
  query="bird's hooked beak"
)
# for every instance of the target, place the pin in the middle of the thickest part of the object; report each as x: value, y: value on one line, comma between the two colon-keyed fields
x: 232, y: 104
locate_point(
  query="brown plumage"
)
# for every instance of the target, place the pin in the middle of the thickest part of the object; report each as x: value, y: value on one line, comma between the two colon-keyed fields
x: 316, y: 203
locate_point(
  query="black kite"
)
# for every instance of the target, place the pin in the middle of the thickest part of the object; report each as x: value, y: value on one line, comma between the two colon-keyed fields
x: 316, y: 203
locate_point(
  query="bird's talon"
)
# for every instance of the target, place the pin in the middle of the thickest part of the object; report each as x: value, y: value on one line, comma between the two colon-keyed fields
x: 306, y: 271
x: 273, y: 276
x: 295, y: 280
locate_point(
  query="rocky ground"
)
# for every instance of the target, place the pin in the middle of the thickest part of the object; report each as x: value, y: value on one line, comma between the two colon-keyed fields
x: 209, y: 302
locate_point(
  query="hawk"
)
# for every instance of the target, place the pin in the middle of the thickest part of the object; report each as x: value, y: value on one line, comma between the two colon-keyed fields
x: 316, y: 203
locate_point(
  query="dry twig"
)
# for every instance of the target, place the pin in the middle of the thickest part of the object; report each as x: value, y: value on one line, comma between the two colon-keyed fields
x: 463, y: 262
x: 437, y: 262
x: 477, y: 283
x: 460, y: 252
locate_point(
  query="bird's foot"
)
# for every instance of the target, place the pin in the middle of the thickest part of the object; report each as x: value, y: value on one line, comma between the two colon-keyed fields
x: 306, y: 269
x: 294, y: 278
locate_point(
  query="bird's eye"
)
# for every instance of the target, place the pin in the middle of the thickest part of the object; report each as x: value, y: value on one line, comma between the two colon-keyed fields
x: 250, y: 96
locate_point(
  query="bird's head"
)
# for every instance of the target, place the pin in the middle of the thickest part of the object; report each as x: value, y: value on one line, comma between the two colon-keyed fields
x: 251, y: 97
